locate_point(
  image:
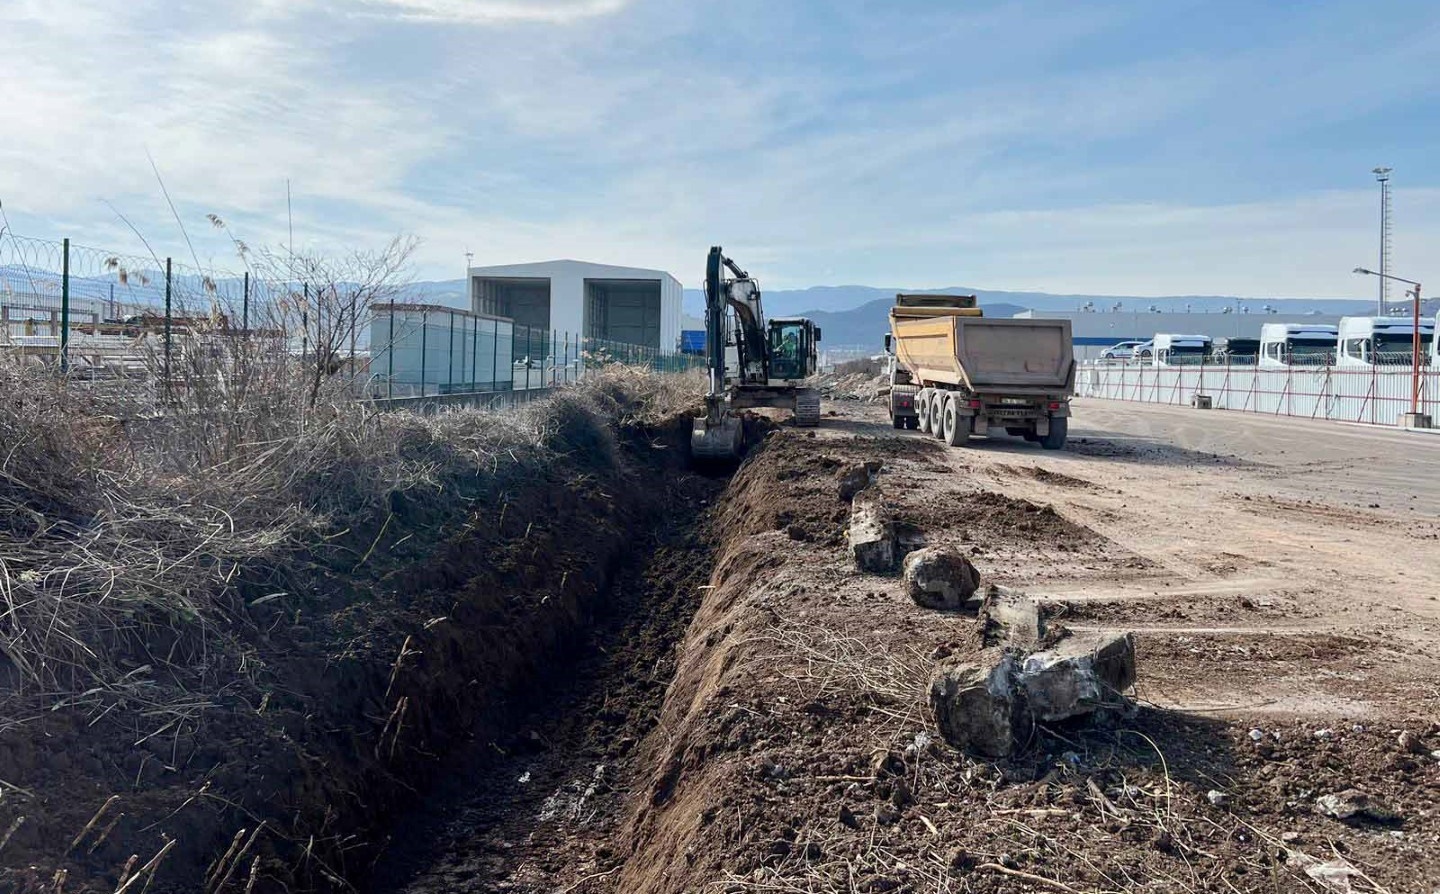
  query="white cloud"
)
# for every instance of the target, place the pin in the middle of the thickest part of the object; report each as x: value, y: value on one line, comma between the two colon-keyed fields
x: 498, y: 12
x: 641, y: 133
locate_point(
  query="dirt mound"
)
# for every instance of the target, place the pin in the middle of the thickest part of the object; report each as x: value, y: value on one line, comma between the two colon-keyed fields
x: 795, y: 751
x: 860, y: 381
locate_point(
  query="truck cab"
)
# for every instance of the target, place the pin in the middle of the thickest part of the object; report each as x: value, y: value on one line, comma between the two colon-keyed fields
x: 1381, y: 341
x: 1235, y: 351
x: 1284, y: 345
x: 901, y: 403
x: 1180, y: 350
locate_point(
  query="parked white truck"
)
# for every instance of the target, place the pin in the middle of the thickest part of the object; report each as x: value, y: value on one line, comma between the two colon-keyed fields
x: 1381, y: 341
x: 1296, y: 344
x: 1171, y: 349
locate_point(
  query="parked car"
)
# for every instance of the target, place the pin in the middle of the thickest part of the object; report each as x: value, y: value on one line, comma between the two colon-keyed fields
x: 1121, y: 350
x: 1144, y: 352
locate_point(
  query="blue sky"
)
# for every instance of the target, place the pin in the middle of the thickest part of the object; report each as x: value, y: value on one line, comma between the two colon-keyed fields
x: 1124, y: 147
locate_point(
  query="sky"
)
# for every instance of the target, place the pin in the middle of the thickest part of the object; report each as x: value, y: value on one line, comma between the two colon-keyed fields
x: 1135, y: 148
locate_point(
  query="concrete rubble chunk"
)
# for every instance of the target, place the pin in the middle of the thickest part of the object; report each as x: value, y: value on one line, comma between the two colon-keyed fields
x: 872, y: 535
x: 940, y: 578
x: 1353, y: 804
x: 974, y: 705
x: 1009, y: 617
x: 856, y: 478
x: 1081, y: 674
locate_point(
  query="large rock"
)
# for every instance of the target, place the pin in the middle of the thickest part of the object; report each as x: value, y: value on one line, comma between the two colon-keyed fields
x: 1009, y: 617
x: 937, y: 577
x: 975, y: 705
x: 1081, y: 674
x: 872, y: 534
x: 1354, y: 804
x: 857, y: 478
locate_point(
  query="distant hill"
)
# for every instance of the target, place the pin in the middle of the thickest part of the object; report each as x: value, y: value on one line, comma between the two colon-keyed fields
x: 840, y: 299
x: 783, y: 302
x: 865, y: 326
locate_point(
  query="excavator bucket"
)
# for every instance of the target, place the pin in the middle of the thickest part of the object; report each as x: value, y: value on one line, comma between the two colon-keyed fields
x: 716, y: 441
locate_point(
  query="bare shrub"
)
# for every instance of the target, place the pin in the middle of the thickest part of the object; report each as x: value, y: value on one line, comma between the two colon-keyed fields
x: 125, y: 542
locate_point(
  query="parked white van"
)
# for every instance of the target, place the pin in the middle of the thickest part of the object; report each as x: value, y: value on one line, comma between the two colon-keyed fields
x: 1381, y: 341
x: 1180, y: 350
x: 1297, y: 344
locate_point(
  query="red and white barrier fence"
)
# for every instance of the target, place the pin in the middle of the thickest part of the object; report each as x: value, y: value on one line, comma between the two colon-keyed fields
x: 1375, y: 394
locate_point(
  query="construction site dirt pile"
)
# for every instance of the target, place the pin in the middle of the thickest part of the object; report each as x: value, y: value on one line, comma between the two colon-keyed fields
x: 797, y: 751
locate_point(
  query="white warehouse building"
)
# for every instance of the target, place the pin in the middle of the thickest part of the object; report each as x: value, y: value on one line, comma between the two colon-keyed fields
x: 578, y: 299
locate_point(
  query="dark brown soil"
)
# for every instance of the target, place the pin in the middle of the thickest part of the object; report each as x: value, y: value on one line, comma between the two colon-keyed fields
x: 515, y: 811
x: 795, y: 751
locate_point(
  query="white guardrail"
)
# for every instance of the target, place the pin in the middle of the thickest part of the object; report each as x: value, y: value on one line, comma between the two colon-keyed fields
x: 1377, y: 394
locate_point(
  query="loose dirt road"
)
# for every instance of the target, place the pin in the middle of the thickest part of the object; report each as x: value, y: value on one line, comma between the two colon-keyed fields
x: 1261, y: 535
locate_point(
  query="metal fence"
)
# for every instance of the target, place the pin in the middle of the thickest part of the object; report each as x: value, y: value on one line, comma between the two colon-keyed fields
x: 96, y: 312
x: 1378, y: 394
x: 420, y: 350
x: 99, y: 314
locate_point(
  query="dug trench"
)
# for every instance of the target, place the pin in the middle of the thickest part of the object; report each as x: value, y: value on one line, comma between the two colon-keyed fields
x: 783, y: 739
x: 422, y: 667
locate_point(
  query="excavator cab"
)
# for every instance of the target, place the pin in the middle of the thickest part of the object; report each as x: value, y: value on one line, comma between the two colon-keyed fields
x: 792, y: 350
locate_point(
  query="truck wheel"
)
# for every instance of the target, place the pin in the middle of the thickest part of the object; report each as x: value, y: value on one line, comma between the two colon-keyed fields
x: 956, y: 427
x: 922, y: 409
x: 937, y: 413
x: 1056, y: 439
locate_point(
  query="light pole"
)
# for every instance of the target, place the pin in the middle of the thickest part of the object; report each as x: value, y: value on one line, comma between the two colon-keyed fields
x: 1413, y: 419
x: 1382, y: 176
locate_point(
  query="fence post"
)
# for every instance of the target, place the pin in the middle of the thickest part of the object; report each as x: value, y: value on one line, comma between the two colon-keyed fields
x: 167, y: 323
x: 305, y: 324
x: 495, y: 357
x: 390, y: 356
x: 424, y: 339
x: 245, y: 304
x: 567, y: 356
x: 450, y: 356
x: 65, y: 307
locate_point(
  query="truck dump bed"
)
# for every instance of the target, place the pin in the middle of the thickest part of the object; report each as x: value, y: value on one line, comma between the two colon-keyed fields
x: 986, y: 354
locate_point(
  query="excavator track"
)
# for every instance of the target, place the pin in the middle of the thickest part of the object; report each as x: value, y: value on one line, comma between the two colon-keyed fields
x: 807, y: 408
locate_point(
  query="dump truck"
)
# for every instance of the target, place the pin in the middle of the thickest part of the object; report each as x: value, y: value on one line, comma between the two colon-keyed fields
x: 959, y: 374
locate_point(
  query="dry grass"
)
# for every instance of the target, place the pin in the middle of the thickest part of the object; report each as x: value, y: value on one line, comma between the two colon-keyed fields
x: 821, y: 662
x: 133, y: 538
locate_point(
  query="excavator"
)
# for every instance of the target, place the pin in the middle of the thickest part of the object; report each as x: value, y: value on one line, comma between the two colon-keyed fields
x: 753, y: 362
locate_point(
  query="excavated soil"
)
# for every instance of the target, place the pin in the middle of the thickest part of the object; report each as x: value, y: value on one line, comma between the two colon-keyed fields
x: 745, y: 711
x: 793, y: 748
